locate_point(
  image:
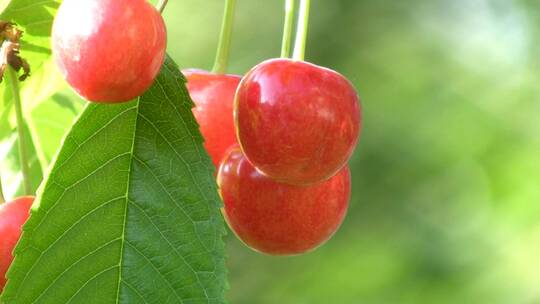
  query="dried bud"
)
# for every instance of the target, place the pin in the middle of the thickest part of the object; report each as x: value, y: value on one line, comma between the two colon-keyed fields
x: 8, y: 31
x: 9, y: 51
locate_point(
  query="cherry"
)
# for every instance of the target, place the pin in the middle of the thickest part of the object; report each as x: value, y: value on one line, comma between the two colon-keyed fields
x: 108, y: 50
x: 296, y: 122
x: 12, y: 217
x: 277, y: 218
x: 213, y: 95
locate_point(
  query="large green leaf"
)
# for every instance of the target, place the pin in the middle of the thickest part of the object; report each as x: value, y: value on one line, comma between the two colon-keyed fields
x: 129, y: 212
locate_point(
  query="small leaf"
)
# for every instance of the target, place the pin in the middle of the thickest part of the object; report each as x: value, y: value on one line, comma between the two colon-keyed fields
x: 130, y: 211
x: 35, y: 18
x: 11, y: 172
x: 52, y: 118
x: 45, y: 116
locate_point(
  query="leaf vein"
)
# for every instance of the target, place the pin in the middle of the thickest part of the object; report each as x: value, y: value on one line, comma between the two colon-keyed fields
x: 90, y: 280
x: 155, y: 268
x: 35, y: 262
x: 170, y: 244
x: 73, y: 265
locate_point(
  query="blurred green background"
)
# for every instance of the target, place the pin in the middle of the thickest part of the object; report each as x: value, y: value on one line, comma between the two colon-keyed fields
x: 446, y: 178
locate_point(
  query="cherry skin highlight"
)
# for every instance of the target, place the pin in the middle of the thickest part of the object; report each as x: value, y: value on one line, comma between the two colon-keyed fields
x: 296, y: 122
x: 277, y: 218
x: 109, y: 51
x: 213, y: 95
x: 12, y: 217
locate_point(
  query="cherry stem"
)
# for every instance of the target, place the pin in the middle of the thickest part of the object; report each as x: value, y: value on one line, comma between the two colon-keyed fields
x: 301, y: 31
x: 161, y: 5
x: 23, y: 149
x: 224, y: 45
x: 287, y: 29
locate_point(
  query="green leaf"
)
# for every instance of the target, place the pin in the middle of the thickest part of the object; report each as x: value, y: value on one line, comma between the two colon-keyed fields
x: 3, y: 4
x: 35, y: 18
x: 11, y: 171
x: 52, y: 118
x: 130, y: 211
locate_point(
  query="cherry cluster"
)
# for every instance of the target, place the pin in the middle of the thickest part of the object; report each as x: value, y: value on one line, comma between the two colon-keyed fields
x: 281, y: 137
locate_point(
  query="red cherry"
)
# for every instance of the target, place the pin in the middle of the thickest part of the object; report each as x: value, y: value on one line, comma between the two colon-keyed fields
x: 12, y: 216
x: 213, y: 95
x: 296, y: 122
x: 277, y: 218
x: 108, y: 50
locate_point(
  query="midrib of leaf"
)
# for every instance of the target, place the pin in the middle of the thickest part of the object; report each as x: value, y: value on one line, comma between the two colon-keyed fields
x: 189, y: 278
x: 125, y: 211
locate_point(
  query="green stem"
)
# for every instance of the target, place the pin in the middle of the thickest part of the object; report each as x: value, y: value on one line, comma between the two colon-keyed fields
x: 23, y: 149
x: 161, y: 5
x: 2, y: 198
x: 34, y: 138
x: 301, y: 31
x: 224, y: 45
x: 287, y: 29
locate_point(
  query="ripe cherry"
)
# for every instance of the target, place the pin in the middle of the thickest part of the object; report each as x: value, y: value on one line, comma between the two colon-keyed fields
x: 277, y: 218
x: 213, y: 95
x: 108, y: 50
x: 12, y: 217
x: 296, y: 122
